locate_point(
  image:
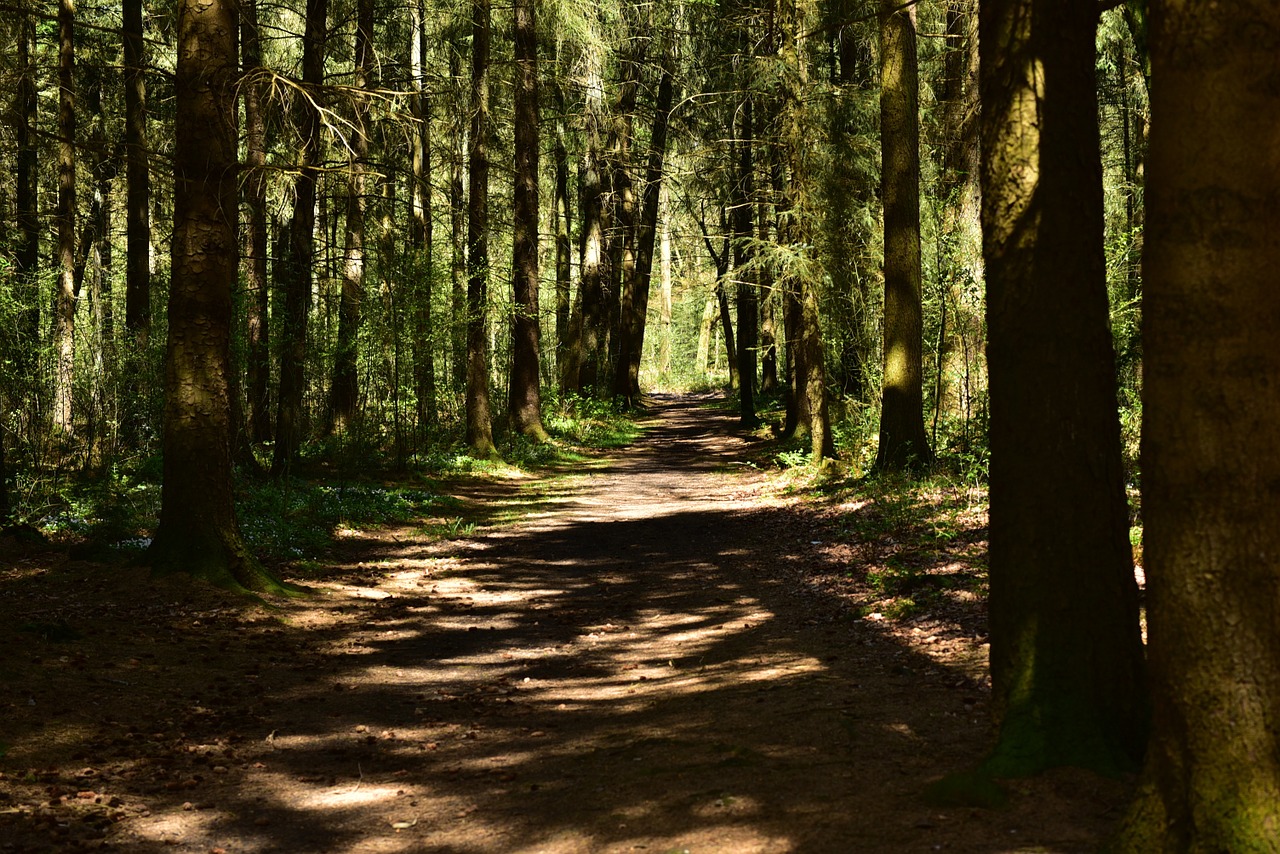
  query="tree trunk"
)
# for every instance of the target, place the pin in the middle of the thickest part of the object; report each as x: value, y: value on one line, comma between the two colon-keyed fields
x: 748, y: 300
x: 257, y: 308
x: 525, y: 404
x: 563, y: 218
x: 64, y: 319
x: 27, y: 256
x: 299, y: 270
x: 421, y: 227
x: 198, y: 533
x: 664, y: 356
x: 1209, y: 460
x: 1066, y: 654
x: 903, y: 443
x: 345, y: 393
x: 635, y: 304
x: 137, y: 311
x: 479, y: 422
x: 458, y: 225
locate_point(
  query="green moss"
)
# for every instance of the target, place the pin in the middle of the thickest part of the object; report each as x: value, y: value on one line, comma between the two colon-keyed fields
x: 966, y: 789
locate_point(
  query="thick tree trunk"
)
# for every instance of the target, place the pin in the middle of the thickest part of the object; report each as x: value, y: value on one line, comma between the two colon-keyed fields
x: 299, y: 270
x: 903, y: 443
x: 421, y: 227
x: 525, y: 402
x: 1209, y: 446
x: 198, y: 533
x: 257, y: 307
x: 635, y: 303
x: 345, y: 393
x: 1066, y: 654
x: 479, y: 420
x: 64, y: 319
x: 137, y: 310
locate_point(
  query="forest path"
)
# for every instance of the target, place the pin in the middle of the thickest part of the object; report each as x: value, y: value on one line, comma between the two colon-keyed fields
x: 632, y: 663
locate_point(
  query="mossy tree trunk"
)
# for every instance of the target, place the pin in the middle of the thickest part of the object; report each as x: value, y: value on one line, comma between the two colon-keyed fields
x: 137, y: 312
x: 903, y: 443
x: 64, y: 315
x: 1066, y: 654
x: 257, y: 306
x: 1210, y: 464
x: 198, y: 533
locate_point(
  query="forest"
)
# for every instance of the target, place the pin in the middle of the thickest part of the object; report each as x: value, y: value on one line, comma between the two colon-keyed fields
x: 595, y: 369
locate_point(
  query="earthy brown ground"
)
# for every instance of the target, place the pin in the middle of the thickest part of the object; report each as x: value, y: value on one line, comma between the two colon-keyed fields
x: 658, y: 655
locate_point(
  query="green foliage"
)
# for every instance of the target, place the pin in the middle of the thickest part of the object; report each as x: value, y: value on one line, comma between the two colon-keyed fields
x: 290, y: 519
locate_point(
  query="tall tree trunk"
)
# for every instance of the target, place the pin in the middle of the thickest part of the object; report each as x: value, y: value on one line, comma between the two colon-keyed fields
x: 1066, y: 654
x: 525, y: 402
x: 563, y: 215
x: 726, y: 323
x: 64, y: 320
x: 258, y: 358
x: 421, y: 227
x: 28, y: 254
x: 137, y: 310
x: 768, y: 322
x: 479, y: 421
x: 345, y: 395
x: 458, y: 224
x: 583, y: 363
x: 299, y: 271
x: 903, y: 443
x: 1209, y: 461
x: 635, y: 300
x: 748, y: 300
x: 198, y: 534
x: 664, y: 356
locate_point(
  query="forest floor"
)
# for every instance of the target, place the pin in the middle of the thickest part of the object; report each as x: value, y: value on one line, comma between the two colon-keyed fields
x: 660, y: 650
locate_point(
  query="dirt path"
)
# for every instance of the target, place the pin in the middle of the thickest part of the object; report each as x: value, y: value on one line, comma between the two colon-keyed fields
x: 634, y: 665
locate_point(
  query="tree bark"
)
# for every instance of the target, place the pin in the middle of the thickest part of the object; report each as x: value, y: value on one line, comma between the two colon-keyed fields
x: 1066, y: 654
x: 525, y: 403
x: 27, y: 257
x: 257, y: 308
x: 64, y: 320
x: 563, y: 215
x: 421, y: 227
x: 1209, y: 460
x: 479, y: 420
x: 458, y: 225
x: 137, y: 311
x: 345, y: 393
x: 635, y: 304
x: 903, y: 443
x: 198, y: 533
x: 299, y: 270
x: 748, y: 299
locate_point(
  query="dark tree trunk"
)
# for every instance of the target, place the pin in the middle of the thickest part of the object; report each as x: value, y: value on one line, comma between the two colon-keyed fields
x: 345, y: 395
x: 903, y: 443
x: 1066, y: 653
x: 635, y: 303
x: 748, y: 300
x: 137, y: 310
x: 525, y: 402
x: 258, y: 358
x: 299, y: 271
x: 479, y: 420
x: 458, y: 226
x: 726, y: 323
x: 64, y: 316
x: 1210, y: 465
x: 421, y: 228
x: 198, y: 534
